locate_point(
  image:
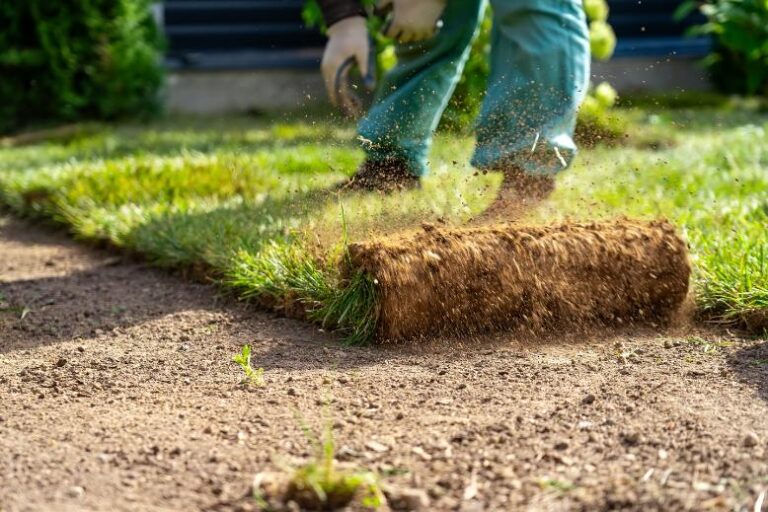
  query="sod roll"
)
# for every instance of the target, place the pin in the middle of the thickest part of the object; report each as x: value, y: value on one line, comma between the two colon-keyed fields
x: 464, y: 281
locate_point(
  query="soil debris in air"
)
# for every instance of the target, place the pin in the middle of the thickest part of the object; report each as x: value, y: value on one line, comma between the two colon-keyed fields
x: 464, y: 281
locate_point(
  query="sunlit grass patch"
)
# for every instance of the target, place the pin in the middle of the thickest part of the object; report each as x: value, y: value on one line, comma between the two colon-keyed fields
x: 248, y: 203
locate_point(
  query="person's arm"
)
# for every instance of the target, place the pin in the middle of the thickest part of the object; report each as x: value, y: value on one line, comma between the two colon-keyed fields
x: 337, y: 10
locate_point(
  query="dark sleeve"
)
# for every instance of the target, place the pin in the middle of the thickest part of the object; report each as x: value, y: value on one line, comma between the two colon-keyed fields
x: 336, y: 10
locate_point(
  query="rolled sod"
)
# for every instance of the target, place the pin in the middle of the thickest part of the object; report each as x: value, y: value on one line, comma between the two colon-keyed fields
x: 463, y: 281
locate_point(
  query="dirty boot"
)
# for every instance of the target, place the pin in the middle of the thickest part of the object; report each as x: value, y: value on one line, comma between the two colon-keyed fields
x: 520, y: 192
x: 383, y: 176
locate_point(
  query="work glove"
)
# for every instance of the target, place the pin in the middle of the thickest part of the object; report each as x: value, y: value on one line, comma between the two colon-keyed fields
x: 412, y: 20
x: 348, y: 45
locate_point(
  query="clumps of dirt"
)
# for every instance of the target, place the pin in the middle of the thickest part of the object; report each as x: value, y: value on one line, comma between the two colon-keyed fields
x: 465, y: 281
x: 520, y: 193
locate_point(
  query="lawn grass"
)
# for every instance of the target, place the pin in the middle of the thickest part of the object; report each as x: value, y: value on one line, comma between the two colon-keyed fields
x: 242, y: 200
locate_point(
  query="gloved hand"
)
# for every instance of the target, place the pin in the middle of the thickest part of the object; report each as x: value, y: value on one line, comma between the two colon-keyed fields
x: 412, y: 20
x: 348, y: 44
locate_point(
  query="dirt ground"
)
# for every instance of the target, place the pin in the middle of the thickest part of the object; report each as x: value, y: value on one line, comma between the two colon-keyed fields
x: 118, y: 393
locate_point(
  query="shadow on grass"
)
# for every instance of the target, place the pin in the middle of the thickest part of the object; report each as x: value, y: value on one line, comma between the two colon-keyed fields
x: 210, y: 237
x: 751, y: 366
x: 318, y: 218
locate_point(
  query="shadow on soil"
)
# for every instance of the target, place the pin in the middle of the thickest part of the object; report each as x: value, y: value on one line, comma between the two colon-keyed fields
x: 85, y: 304
x: 751, y: 366
x: 80, y: 294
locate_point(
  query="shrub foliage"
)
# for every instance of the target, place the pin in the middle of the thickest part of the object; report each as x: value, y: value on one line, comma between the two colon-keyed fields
x: 71, y: 59
x: 739, y: 60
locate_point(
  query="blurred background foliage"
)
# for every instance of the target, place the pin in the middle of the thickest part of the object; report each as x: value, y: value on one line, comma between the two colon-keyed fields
x: 64, y: 60
x: 738, y: 62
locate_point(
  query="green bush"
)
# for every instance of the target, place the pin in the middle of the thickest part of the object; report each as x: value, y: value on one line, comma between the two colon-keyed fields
x: 739, y: 61
x: 69, y: 59
x: 597, y: 122
x: 602, y: 40
x: 596, y: 10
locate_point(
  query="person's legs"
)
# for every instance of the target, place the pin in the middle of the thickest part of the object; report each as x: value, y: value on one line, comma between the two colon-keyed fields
x: 539, y: 75
x: 413, y: 95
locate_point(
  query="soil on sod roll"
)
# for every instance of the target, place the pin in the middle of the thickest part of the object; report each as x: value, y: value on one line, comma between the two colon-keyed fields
x: 459, y: 281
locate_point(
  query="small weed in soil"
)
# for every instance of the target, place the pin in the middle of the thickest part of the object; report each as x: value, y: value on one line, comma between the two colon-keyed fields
x: 319, y: 484
x: 252, y: 376
x: 707, y: 347
x: 6, y: 307
x: 552, y: 484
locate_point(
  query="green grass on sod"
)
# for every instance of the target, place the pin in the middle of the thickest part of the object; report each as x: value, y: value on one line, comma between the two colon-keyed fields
x: 241, y: 200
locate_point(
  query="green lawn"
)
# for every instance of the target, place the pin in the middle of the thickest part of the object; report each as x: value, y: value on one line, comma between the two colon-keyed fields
x: 242, y: 200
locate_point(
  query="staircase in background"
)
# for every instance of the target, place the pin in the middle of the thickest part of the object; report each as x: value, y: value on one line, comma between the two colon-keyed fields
x: 270, y: 34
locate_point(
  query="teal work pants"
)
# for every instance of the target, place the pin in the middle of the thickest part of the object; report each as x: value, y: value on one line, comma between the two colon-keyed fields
x: 539, y: 75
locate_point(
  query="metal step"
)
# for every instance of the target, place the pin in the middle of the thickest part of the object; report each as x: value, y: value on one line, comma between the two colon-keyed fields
x: 298, y: 58
x: 663, y: 47
x: 179, y: 12
x: 647, y: 25
x: 241, y: 36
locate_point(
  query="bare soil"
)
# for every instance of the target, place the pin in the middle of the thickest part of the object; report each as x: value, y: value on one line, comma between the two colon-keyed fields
x: 459, y: 281
x: 118, y: 393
